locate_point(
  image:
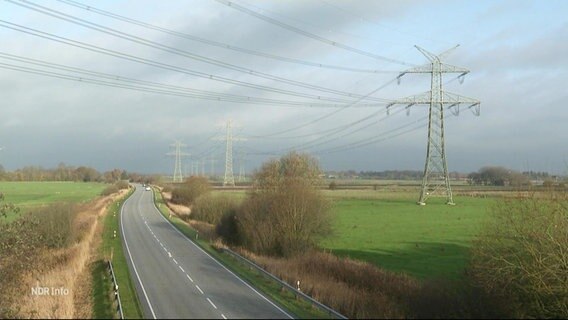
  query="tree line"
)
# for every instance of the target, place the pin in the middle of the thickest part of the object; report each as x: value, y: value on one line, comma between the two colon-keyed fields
x: 65, y: 172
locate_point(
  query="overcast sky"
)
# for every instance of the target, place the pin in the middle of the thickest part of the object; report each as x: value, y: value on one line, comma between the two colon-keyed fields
x: 517, y: 52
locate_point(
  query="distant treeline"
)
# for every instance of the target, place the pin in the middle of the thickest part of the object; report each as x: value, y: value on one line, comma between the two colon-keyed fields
x: 70, y: 173
x: 387, y: 174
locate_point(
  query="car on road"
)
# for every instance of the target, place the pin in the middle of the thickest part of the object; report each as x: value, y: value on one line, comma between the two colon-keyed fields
x: 148, y: 189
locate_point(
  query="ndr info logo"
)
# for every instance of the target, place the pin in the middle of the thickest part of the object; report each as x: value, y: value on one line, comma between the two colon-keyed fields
x: 49, y: 291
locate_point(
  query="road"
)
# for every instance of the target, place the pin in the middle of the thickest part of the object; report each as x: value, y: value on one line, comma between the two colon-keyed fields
x: 174, y: 278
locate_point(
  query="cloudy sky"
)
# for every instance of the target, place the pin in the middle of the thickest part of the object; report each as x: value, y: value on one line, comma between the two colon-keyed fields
x: 116, y: 85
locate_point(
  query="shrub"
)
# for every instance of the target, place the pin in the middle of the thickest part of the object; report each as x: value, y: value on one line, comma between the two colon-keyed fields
x: 211, y: 209
x: 332, y: 185
x: 122, y: 184
x: 187, y: 193
x: 522, y: 257
x: 227, y: 228
x: 285, y: 214
x: 109, y: 190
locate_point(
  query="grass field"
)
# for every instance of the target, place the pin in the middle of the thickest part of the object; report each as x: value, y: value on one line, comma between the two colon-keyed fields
x: 390, y: 230
x: 27, y: 195
x: 387, y: 228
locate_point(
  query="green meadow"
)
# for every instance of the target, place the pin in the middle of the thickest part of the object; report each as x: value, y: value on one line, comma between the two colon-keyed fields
x: 28, y: 195
x: 387, y: 228
x: 391, y: 231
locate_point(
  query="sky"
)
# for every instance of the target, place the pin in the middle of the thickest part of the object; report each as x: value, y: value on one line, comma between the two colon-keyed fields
x: 313, y: 76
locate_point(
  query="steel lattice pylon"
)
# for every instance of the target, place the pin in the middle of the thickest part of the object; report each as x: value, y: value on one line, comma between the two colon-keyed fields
x: 229, y: 179
x: 435, y: 180
x: 177, y: 154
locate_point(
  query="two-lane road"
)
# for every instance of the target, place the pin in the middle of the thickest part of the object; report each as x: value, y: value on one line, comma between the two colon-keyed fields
x: 175, y: 278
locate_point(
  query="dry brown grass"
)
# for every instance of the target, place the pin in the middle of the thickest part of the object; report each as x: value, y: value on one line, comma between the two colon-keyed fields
x: 356, y: 289
x: 67, y: 268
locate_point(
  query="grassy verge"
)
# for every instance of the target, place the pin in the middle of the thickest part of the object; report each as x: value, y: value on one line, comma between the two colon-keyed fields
x: 111, y: 247
x: 270, y: 288
x: 102, y: 303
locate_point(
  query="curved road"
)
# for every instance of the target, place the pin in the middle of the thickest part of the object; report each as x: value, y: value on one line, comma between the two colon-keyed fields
x: 174, y: 278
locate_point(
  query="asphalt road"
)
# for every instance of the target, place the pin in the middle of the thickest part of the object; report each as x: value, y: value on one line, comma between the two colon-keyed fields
x: 174, y: 278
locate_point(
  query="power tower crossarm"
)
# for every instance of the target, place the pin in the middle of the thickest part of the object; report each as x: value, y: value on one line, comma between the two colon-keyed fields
x: 229, y: 179
x: 435, y: 179
x: 178, y: 154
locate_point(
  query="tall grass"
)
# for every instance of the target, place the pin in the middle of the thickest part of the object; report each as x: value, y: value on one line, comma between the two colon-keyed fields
x: 48, y: 247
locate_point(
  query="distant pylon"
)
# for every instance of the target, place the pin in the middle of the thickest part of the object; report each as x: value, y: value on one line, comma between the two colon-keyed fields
x: 241, y: 166
x: 435, y: 180
x: 178, y: 154
x: 229, y: 179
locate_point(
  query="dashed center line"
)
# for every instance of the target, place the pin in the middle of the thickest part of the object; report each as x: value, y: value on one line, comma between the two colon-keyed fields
x: 198, y: 288
x: 211, y: 302
x: 180, y: 267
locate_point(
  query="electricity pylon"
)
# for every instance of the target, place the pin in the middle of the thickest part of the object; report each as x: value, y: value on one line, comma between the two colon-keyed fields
x: 229, y: 179
x: 435, y: 180
x: 212, y: 169
x: 178, y: 154
x: 241, y: 166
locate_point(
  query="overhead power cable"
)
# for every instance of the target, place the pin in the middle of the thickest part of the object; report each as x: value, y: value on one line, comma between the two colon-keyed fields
x: 308, y: 34
x: 97, y: 27
x: 375, y: 139
x: 148, y: 86
x: 303, y: 125
x: 164, y: 66
x: 219, y: 44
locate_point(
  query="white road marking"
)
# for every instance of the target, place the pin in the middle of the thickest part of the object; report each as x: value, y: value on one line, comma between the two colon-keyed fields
x: 132, y: 261
x: 187, y: 275
x: 166, y: 250
x: 198, y: 288
x: 181, y: 269
x: 211, y: 302
x: 222, y: 315
x: 219, y: 263
x: 175, y: 261
x: 169, y: 254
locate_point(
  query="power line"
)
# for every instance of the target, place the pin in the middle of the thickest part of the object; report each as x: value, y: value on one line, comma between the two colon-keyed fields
x: 184, y: 53
x: 326, y: 115
x: 148, y: 86
x: 216, y: 43
x: 164, y: 66
x: 308, y: 34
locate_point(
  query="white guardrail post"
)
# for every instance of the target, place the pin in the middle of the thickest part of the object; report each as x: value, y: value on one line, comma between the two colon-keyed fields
x: 115, y: 289
x: 286, y: 286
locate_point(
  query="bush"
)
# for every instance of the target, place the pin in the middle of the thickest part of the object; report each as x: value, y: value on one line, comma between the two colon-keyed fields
x: 285, y: 214
x: 188, y: 193
x: 122, y: 184
x: 522, y: 257
x: 227, y: 228
x: 332, y: 185
x: 109, y: 190
x: 211, y: 209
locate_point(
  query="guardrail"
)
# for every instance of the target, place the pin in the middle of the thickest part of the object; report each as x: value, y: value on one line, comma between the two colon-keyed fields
x: 116, y: 293
x: 286, y: 286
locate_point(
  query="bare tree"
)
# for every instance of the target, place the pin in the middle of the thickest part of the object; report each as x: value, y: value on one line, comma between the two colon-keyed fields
x: 285, y: 214
x: 522, y: 257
